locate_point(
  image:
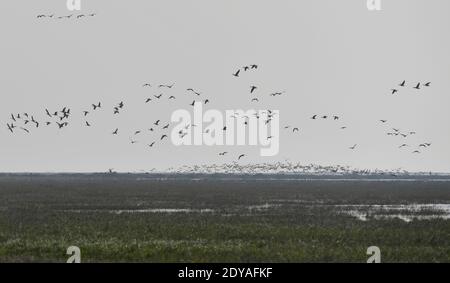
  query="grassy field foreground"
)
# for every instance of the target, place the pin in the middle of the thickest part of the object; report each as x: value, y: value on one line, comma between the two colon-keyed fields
x: 123, y: 218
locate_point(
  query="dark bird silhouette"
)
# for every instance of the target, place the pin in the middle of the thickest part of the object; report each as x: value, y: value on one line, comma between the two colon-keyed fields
x: 336, y: 117
x: 416, y: 151
x: 206, y: 101
x: 383, y: 121
x: 166, y: 86
x: 26, y: 130
x: 255, y: 99
x: 394, y: 90
x: 80, y: 16
x: 61, y: 125
x: 87, y: 124
x: 166, y: 126
x: 353, y: 147
x: 402, y: 84
x: 223, y: 153
x: 148, y: 100
x: 137, y: 132
x: 314, y: 117
x: 193, y: 91
x: 96, y: 106
x: 158, y: 96
x: 147, y: 85
x: 253, y: 88
x: 48, y: 113
x: 295, y: 130
x: 403, y: 145
x: 240, y: 156
x: 237, y: 73
x: 254, y: 66
x: 115, y: 131
x: 10, y: 127
x: 157, y: 123
x: 427, y: 84
x: 163, y: 136
x: 193, y: 103
x: 171, y: 97
x: 246, y: 68
x: 417, y: 86
x: 85, y: 113
x: 121, y: 104
x: 152, y: 144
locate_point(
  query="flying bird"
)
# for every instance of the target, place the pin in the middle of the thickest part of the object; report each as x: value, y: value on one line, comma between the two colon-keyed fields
x: 240, y: 156
x: 237, y: 73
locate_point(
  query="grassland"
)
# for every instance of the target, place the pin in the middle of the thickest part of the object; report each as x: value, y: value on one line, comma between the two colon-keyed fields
x: 130, y: 218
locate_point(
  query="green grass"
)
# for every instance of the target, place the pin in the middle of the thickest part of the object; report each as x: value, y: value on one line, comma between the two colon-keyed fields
x: 37, y: 222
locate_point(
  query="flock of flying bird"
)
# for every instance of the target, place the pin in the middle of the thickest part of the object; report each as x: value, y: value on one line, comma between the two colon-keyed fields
x: 71, y: 16
x: 25, y: 121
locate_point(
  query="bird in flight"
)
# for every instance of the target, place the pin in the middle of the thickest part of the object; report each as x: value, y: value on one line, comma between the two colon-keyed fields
x: 254, y: 66
x: 253, y: 88
x: 171, y: 97
x: 403, y: 145
x: 416, y: 151
x: 295, y: 130
x: 383, y: 121
x: 314, y: 117
x: 148, y: 100
x: 96, y: 106
x: 353, y: 147
x: 167, y: 86
x: 163, y: 136
x: 166, y: 126
x: 402, y: 84
x: 152, y: 144
x: 255, y: 99
x: 237, y: 73
x: 193, y: 103
x: 115, y: 131
x: 240, y: 156
x: 417, y: 86
x: 427, y: 84
x: 193, y: 91
x: 26, y: 130
x: 146, y: 85
x: 394, y: 90
x: 158, y: 96
x: 87, y: 124
x: 156, y: 123
x: 10, y: 127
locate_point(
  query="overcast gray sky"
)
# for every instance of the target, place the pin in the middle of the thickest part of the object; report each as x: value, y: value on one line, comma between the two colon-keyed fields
x: 331, y: 57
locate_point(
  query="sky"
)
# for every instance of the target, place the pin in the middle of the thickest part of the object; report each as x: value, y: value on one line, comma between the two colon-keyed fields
x: 328, y: 57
